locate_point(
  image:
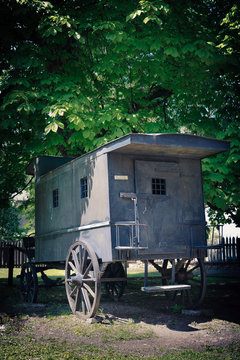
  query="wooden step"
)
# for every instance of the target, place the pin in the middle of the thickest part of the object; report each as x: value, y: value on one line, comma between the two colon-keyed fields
x: 163, y: 288
x: 131, y: 248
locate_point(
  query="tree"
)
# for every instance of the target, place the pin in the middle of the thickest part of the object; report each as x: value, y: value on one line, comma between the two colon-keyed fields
x: 9, y: 224
x: 78, y: 74
x: 223, y: 173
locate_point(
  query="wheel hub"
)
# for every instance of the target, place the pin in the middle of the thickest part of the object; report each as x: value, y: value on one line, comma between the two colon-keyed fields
x: 183, y: 276
x: 77, y: 279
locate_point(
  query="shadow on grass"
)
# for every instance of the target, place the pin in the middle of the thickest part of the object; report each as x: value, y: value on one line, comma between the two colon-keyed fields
x: 222, y: 302
x: 50, y: 302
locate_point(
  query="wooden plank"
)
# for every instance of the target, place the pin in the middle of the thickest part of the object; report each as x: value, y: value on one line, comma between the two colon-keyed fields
x: 131, y: 248
x: 163, y: 288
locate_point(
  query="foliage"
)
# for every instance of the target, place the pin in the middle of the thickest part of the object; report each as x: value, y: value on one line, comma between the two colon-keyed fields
x: 9, y: 224
x: 26, y: 209
x: 75, y: 75
x: 222, y: 174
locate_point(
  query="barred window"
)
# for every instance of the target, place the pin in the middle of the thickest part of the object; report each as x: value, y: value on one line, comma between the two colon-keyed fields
x: 158, y: 186
x: 84, y: 188
x: 55, y: 198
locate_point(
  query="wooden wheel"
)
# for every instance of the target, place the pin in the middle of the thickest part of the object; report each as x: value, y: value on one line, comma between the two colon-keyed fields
x: 190, y: 272
x: 114, y: 289
x: 82, y: 279
x: 29, y: 283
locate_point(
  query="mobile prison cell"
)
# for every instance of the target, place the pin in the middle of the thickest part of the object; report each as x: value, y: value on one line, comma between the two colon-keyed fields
x: 139, y: 197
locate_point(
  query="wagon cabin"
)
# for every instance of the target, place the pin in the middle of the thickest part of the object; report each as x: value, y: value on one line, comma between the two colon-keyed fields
x: 139, y: 197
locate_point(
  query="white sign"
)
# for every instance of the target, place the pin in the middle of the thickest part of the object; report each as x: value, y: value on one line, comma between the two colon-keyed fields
x: 120, y: 177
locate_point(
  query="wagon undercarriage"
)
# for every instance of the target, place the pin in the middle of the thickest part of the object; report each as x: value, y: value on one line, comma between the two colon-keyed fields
x: 182, y: 280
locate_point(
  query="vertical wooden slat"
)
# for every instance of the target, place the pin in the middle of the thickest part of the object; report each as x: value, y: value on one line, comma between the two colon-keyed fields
x: 223, y: 250
x: 10, y: 265
x: 238, y: 249
x: 227, y: 248
x: 233, y: 249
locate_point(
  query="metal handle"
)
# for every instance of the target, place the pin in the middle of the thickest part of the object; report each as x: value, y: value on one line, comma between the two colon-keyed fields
x: 131, y: 196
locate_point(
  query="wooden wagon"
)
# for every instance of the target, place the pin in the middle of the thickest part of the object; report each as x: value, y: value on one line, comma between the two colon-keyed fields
x: 139, y: 197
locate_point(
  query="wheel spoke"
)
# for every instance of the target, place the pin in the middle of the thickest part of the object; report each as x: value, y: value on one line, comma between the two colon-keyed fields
x: 187, y: 264
x: 180, y: 264
x: 74, y: 291
x: 84, y: 262
x: 80, y: 257
x: 115, y: 290
x: 192, y: 269
x: 89, y: 267
x: 91, y: 279
x: 76, y: 262
x: 86, y: 299
x: 87, y: 287
x: 28, y: 282
x: 77, y: 300
x: 72, y: 266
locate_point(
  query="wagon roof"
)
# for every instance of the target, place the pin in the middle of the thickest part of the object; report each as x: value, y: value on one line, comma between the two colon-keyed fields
x: 158, y: 144
x: 180, y: 145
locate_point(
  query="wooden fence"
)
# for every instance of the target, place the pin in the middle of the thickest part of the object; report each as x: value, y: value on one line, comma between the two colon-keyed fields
x: 226, y: 251
x: 14, y: 254
x: 9, y: 252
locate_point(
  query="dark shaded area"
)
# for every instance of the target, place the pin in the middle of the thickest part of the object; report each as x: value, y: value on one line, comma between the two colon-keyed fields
x: 221, y: 302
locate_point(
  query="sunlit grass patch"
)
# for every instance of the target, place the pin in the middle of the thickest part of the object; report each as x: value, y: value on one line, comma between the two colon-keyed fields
x: 115, y: 332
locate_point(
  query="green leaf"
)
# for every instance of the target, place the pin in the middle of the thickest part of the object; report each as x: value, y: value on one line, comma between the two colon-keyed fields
x: 188, y: 48
x: 133, y: 15
x: 171, y: 51
x: 146, y: 20
x: 53, y: 126
x: 60, y: 124
x: 220, y: 203
x: 203, y: 53
x: 86, y: 133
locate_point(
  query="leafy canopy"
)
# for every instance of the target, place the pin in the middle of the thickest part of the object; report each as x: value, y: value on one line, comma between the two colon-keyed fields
x: 76, y: 74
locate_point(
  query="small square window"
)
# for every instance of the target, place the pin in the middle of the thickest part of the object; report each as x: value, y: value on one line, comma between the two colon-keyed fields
x: 55, y: 198
x: 84, y: 188
x: 158, y: 186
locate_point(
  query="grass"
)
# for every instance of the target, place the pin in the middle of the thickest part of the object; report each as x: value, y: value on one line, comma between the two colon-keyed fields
x: 116, y: 332
x: 28, y: 348
x: 19, y: 341
x: 50, y: 332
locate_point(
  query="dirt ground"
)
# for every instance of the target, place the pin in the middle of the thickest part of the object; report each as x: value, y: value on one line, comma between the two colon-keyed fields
x: 142, y: 328
x: 144, y: 324
x: 164, y: 330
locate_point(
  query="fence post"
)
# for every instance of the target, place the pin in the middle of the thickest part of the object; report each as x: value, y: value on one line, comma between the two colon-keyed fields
x: 233, y: 249
x: 238, y: 249
x: 10, y: 265
x: 227, y: 249
x: 223, y: 250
